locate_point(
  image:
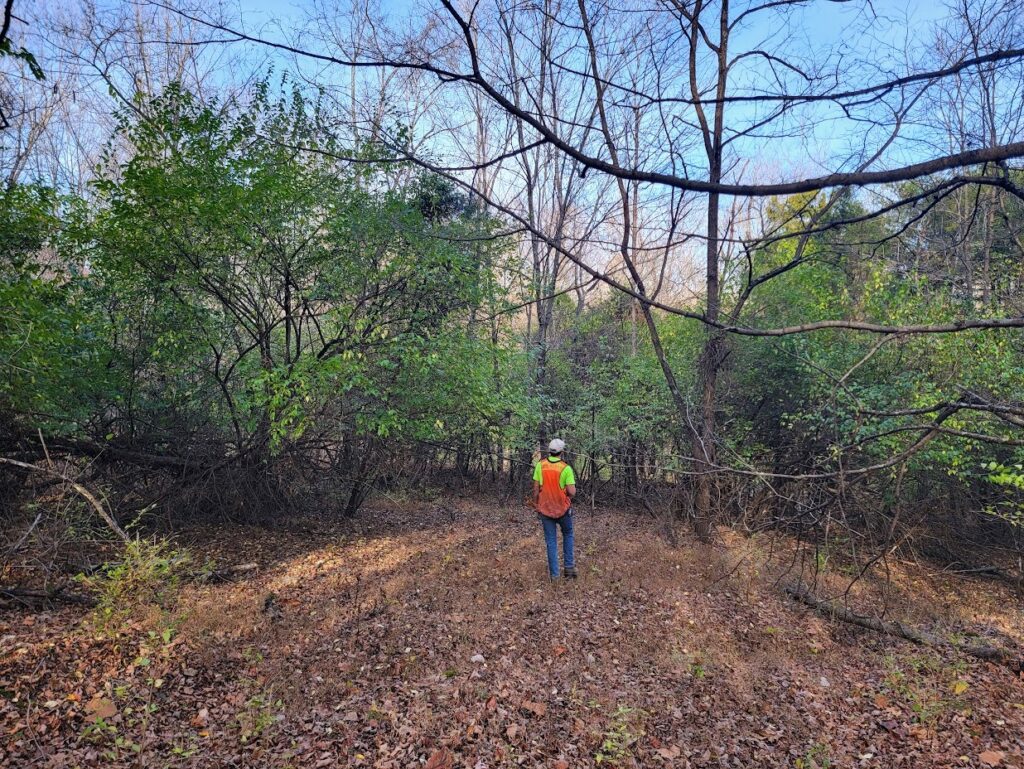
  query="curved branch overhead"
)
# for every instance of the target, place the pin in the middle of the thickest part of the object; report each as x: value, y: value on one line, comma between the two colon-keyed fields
x: 476, y: 78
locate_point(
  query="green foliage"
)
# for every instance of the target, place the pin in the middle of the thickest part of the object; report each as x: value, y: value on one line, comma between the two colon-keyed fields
x: 606, y: 393
x: 811, y: 401
x: 7, y: 49
x: 238, y: 286
x: 260, y: 713
x: 131, y: 703
x: 148, y: 575
x: 239, y: 289
x: 625, y: 729
x: 816, y: 757
x: 1006, y: 476
x: 916, y: 687
x: 51, y: 365
x: 1010, y: 506
x: 274, y: 288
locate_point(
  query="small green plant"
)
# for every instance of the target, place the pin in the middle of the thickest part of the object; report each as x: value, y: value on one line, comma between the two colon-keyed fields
x: 99, y: 731
x: 698, y: 664
x: 695, y: 663
x: 121, y: 747
x: 108, y: 737
x: 895, y: 680
x: 816, y: 757
x: 926, y: 704
x: 624, y: 731
x: 149, y: 573
x: 821, y: 559
x: 183, y: 748
x: 261, y: 711
x: 133, y: 699
x: 925, y: 663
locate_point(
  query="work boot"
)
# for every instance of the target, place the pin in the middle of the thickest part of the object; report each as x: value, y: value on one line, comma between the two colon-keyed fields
x: 570, y: 572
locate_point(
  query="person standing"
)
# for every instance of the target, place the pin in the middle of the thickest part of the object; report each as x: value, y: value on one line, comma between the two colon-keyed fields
x: 554, y: 486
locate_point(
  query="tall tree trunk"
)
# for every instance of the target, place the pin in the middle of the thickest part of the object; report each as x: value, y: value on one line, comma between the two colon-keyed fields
x: 540, y: 376
x: 704, y: 451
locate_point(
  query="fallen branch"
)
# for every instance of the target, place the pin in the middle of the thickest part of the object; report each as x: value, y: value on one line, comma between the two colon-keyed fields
x: 991, y: 572
x: 230, y: 572
x: 24, y: 537
x: 222, y: 574
x: 28, y: 597
x: 84, y: 492
x: 894, y: 628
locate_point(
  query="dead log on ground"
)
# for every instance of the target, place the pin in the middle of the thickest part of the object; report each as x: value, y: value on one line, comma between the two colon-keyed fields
x: 228, y: 572
x: 222, y: 574
x: 991, y: 572
x: 15, y: 596
x: 982, y: 651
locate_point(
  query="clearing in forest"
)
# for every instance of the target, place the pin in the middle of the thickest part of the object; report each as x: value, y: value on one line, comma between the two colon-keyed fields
x: 430, y: 637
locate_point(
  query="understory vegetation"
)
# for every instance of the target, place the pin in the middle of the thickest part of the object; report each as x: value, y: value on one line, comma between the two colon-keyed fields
x: 292, y: 302
x: 231, y: 325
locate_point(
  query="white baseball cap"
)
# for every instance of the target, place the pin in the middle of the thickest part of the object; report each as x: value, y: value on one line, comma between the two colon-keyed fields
x: 556, y: 445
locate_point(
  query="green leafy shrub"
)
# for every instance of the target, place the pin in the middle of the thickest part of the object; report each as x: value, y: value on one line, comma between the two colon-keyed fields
x: 149, y: 574
x: 623, y: 732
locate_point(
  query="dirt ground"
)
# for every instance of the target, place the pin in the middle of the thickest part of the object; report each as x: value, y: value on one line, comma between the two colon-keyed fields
x: 426, y: 636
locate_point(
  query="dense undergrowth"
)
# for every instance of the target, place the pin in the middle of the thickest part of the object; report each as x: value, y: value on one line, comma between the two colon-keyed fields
x: 224, y: 328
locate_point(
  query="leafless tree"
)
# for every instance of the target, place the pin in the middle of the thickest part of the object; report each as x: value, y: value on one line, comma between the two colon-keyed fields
x: 100, y: 59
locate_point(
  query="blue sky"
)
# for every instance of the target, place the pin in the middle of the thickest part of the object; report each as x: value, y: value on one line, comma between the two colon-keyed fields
x: 898, y: 28
x: 824, y: 20
x: 828, y: 21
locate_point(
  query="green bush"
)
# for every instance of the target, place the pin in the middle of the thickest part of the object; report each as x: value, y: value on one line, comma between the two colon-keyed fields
x: 148, y: 575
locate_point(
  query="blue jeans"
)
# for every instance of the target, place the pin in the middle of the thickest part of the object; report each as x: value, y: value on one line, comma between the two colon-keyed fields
x: 551, y: 527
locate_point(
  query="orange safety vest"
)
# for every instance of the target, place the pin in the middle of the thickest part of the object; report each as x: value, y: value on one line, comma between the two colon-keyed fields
x: 553, y: 502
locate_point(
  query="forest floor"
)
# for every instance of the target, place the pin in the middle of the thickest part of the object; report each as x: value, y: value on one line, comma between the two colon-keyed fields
x: 422, y: 636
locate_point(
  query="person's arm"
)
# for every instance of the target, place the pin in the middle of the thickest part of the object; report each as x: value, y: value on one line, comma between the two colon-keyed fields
x: 569, y: 479
x: 536, y: 492
x: 537, y: 476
